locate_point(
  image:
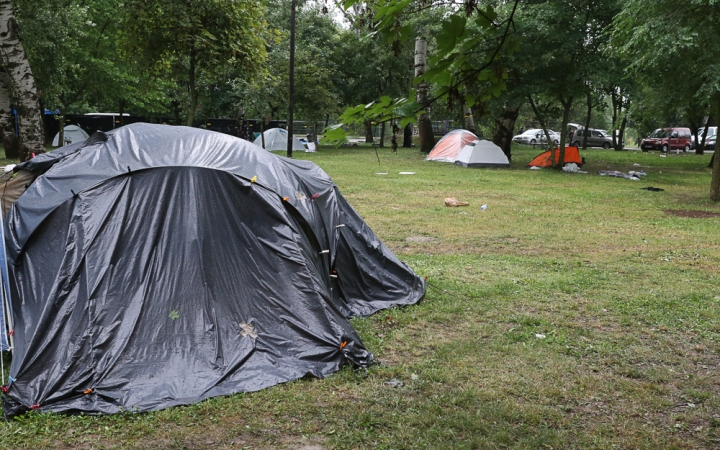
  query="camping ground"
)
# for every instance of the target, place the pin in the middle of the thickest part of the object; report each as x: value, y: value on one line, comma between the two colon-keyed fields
x: 576, y: 311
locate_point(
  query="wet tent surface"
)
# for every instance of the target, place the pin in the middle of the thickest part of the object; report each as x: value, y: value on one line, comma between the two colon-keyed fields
x: 183, y: 278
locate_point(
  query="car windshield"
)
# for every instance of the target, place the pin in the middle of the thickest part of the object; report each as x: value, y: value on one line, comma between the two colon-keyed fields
x: 660, y: 133
x: 531, y: 131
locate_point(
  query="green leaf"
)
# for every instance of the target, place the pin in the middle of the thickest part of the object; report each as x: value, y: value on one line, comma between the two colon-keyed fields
x: 452, y: 29
x: 174, y: 314
x: 334, y: 136
x: 469, y: 100
x: 407, y: 120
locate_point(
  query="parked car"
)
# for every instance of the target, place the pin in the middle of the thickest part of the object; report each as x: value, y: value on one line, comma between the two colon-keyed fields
x: 595, y: 138
x: 711, y: 131
x: 536, y: 136
x: 666, y: 139
x: 710, y: 139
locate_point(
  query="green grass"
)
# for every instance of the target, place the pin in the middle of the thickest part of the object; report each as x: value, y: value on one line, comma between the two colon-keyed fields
x: 574, y: 312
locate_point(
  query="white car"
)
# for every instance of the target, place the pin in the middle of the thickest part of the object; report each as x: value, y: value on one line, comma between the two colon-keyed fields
x: 711, y: 131
x: 536, y: 136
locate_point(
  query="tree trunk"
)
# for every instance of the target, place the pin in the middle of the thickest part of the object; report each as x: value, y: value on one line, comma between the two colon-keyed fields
x: 621, y: 134
x: 382, y: 134
x: 715, y: 183
x: 7, y: 121
x: 176, y: 111
x: 193, y: 90
x: 407, y: 136
x: 567, y: 104
x: 368, y: 132
x: 469, y: 120
x: 121, y: 107
x: 504, y: 127
x: 543, y: 124
x: 32, y: 136
x: 700, y: 144
x: 61, y: 133
x: 262, y: 132
x: 427, y: 138
x: 587, y: 120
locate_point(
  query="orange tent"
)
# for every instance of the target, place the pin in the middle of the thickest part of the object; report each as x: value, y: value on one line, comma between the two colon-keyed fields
x: 448, y: 147
x: 572, y: 155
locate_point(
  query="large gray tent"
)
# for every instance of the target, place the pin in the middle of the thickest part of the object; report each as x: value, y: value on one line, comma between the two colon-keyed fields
x: 155, y: 266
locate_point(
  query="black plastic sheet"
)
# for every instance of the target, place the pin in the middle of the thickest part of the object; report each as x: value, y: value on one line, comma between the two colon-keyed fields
x: 155, y: 266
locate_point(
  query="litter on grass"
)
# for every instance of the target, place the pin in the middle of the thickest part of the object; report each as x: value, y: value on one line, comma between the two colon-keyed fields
x: 632, y: 175
x: 406, y: 173
x: 452, y: 202
x: 572, y: 167
x: 381, y: 173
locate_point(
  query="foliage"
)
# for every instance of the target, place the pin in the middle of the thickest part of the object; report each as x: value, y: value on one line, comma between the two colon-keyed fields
x: 316, y: 95
x: 193, y: 42
x: 468, y: 43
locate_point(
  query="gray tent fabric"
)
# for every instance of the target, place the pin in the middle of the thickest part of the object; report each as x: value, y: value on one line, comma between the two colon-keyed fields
x: 482, y: 153
x: 71, y: 135
x: 155, y: 266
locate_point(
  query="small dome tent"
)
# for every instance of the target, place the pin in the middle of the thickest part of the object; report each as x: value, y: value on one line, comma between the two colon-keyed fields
x: 482, y: 153
x: 544, y: 159
x: 276, y: 139
x: 71, y: 135
x: 154, y: 266
x: 450, y: 145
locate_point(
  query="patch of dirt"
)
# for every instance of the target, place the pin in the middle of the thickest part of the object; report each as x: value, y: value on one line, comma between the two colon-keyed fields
x: 691, y: 213
x: 420, y: 239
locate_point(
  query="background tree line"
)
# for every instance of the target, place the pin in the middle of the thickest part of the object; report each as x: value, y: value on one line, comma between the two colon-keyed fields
x: 492, y: 64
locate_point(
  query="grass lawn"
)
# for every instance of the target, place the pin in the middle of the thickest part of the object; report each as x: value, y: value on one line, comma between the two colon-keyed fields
x: 577, y: 311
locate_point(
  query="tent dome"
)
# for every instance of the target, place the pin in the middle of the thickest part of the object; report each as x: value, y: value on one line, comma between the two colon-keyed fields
x: 154, y: 266
x: 450, y: 145
x: 482, y: 153
x: 71, y: 135
x: 276, y: 139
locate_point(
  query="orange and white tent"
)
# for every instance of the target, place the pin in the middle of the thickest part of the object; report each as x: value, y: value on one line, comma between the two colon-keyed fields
x: 449, y: 146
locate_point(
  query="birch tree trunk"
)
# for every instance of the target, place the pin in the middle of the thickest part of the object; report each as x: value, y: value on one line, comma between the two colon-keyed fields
x: 427, y: 138
x: 7, y: 122
x: 22, y: 83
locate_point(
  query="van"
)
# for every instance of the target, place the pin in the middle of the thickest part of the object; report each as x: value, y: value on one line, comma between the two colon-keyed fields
x: 666, y: 139
x: 595, y: 138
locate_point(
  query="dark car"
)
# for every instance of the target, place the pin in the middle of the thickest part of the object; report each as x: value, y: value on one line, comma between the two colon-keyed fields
x: 595, y: 138
x: 666, y: 139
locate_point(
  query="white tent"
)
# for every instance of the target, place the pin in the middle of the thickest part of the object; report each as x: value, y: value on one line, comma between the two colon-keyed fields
x: 276, y: 139
x: 482, y: 153
x: 73, y: 133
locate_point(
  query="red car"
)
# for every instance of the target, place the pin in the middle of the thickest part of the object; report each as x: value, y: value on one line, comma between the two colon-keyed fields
x: 667, y: 139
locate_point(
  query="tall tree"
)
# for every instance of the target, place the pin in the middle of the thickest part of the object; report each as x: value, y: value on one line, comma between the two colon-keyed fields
x: 190, y: 41
x: 425, y: 130
x: 679, y: 31
x: 22, y: 82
